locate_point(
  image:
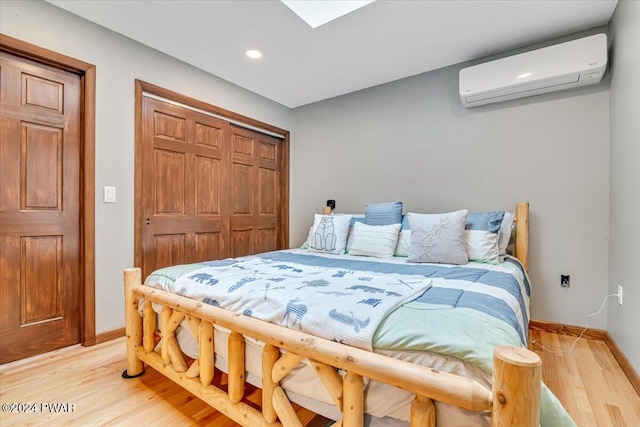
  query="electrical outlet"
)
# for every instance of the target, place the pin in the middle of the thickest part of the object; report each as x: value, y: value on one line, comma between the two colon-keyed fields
x: 620, y: 295
x: 565, y: 280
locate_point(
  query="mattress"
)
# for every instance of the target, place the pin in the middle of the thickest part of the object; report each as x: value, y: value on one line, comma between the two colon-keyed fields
x: 453, y: 326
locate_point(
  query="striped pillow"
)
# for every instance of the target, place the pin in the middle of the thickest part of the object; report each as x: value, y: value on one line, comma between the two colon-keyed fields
x: 374, y: 240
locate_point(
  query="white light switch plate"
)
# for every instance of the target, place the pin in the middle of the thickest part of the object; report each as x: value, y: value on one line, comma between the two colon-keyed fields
x: 109, y: 194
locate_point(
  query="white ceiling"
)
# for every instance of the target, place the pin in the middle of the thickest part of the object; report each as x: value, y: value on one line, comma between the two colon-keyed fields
x: 379, y: 43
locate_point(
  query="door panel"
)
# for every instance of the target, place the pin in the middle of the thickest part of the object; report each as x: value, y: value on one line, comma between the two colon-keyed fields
x: 183, y: 177
x: 256, y: 193
x: 267, y: 181
x: 40, y: 124
x: 209, y: 190
x: 169, y: 250
x: 41, y: 279
x: 208, y: 176
x: 267, y: 238
x: 242, y: 189
x: 170, y: 191
x: 207, y: 244
x: 39, y: 92
x: 41, y: 166
x: 242, y: 242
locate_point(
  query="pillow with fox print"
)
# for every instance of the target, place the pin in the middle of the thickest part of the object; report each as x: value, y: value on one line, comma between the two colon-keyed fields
x: 438, y: 238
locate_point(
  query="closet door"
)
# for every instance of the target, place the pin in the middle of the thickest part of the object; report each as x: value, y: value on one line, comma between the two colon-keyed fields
x: 255, y: 192
x: 205, y: 189
x: 184, y: 186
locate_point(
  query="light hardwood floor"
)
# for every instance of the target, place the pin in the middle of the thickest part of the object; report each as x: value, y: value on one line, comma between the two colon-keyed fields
x: 588, y: 381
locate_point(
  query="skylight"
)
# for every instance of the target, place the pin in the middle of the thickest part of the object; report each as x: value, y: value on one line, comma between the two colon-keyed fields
x: 319, y: 12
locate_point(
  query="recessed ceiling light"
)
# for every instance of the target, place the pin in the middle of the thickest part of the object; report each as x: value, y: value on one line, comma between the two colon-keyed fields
x: 254, y: 54
x: 318, y: 12
x: 522, y: 76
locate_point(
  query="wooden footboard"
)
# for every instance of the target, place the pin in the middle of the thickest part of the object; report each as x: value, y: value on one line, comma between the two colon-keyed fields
x: 514, y: 400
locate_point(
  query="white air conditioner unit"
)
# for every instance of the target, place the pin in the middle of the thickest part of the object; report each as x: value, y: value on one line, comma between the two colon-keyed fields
x: 562, y: 66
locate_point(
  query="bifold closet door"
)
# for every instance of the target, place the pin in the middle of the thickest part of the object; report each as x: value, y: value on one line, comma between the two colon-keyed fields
x: 208, y: 190
x: 184, y: 186
x: 256, y: 195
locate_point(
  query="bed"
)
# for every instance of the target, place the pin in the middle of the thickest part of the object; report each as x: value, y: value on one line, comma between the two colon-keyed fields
x: 356, y: 339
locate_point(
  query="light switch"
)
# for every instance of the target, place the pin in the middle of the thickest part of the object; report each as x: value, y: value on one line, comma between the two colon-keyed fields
x: 109, y: 194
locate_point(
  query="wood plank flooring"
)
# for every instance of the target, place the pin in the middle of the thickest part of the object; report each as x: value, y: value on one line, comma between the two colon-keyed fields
x: 588, y: 381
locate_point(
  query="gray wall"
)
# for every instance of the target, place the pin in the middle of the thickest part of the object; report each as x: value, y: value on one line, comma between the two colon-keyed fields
x: 119, y: 62
x: 624, y: 249
x: 411, y: 140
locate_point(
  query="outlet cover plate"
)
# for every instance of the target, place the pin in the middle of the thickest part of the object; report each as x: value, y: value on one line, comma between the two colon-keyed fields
x: 620, y: 295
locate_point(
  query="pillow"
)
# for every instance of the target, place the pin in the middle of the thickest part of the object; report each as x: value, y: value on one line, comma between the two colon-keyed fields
x: 482, y: 236
x: 504, y: 236
x: 305, y: 245
x: 354, y: 218
x: 404, y: 238
x: 438, y: 238
x: 329, y: 233
x: 383, y: 213
x: 374, y: 240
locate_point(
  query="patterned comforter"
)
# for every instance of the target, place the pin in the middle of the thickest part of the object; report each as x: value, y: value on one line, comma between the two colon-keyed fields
x: 458, y: 311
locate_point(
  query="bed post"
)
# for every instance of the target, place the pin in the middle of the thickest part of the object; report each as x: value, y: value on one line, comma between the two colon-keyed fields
x: 517, y: 379
x: 133, y: 323
x: 522, y: 233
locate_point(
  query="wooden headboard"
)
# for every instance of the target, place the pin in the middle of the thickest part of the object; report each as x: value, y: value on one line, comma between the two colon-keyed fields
x: 522, y: 234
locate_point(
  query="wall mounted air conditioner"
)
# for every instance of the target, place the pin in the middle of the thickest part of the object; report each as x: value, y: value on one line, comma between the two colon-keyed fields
x: 562, y: 66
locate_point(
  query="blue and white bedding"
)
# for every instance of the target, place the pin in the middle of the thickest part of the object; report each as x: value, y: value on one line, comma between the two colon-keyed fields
x: 453, y: 312
x: 343, y: 304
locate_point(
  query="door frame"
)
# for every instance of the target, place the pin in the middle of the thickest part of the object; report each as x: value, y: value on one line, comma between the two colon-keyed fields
x: 142, y: 88
x: 87, y: 73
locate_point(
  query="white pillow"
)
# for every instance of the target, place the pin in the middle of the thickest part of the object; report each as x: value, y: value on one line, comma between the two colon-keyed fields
x: 438, y: 238
x: 329, y: 233
x: 482, y: 246
x: 404, y: 243
x: 482, y: 230
x: 354, y: 218
x: 374, y: 240
x: 504, y: 235
x: 404, y: 238
x: 305, y: 245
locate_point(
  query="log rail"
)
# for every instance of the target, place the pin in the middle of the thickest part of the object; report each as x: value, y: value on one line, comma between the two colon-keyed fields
x: 514, y: 400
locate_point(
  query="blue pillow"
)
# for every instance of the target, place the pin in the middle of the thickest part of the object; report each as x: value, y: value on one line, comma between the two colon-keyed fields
x: 486, y: 221
x: 355, y: 219
x: 383, y: 213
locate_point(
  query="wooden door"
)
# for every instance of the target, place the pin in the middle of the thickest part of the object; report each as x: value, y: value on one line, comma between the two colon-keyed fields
x: 255, y: 192
x: 206, y: 189
x: 184, y: 179
x: 39, y: 208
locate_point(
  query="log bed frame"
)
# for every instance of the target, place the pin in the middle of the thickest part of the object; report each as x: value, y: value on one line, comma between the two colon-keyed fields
x: 513, y: 400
